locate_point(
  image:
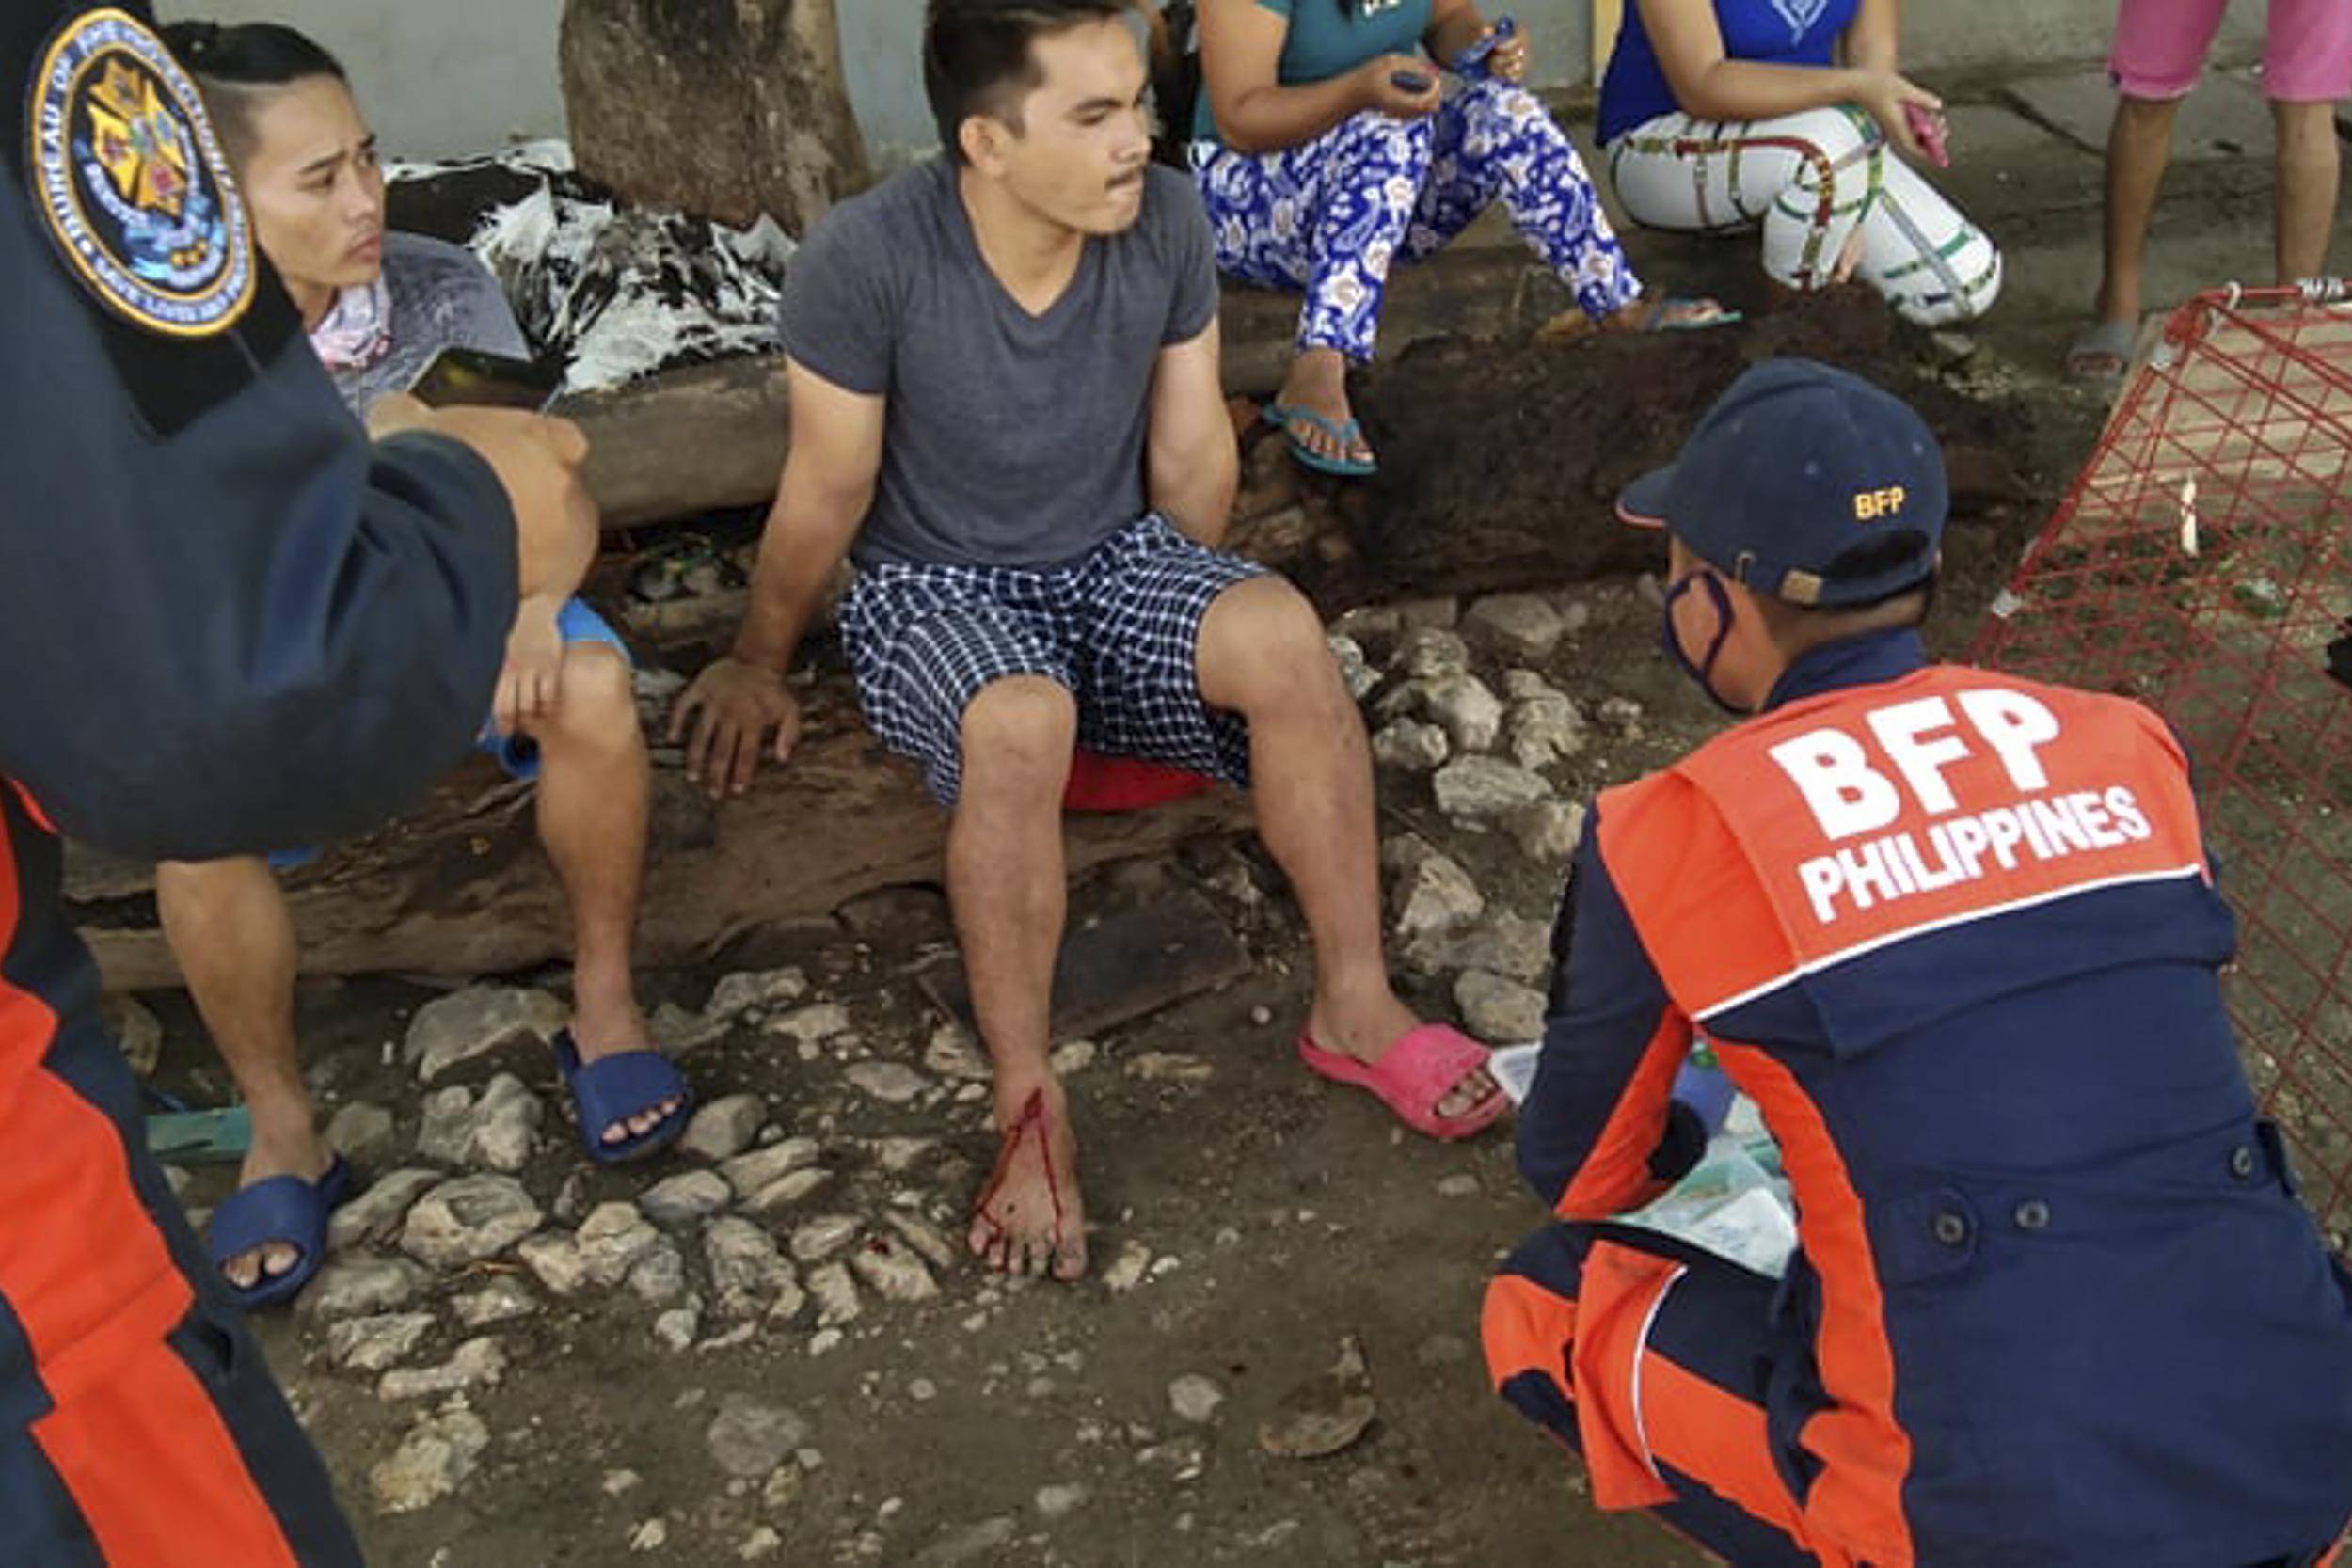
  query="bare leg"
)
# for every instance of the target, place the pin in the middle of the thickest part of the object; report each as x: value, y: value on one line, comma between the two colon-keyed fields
x: 593, y: 784
x: 1004, y: 881
x: 1263, y: 654
x: 2310, y: 166
x: 2140, y: 145
x: 1318, y: 380
x: 228, y: 925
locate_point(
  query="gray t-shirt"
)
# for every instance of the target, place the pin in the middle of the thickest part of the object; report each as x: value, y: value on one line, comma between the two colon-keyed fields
x: 442, y: 296
x: 1011, y: 439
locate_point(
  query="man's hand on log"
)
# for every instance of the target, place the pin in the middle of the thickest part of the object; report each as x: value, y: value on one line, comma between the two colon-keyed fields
x: 723, y: 718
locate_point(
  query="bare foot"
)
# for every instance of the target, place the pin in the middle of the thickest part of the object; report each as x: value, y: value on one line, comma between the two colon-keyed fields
x: 1365, y: 1027
x: 609, y: 1033
x: 305, y: 1155
x: 1029, y: 1219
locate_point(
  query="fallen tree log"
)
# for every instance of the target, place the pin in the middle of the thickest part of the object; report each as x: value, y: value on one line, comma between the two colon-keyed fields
x: 460, y: 887
x: 713, y: 437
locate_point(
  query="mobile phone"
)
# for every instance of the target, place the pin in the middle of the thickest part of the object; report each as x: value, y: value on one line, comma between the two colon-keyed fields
x: 1472, y: 61
x: 1411, y: 81
x: 470, y: 377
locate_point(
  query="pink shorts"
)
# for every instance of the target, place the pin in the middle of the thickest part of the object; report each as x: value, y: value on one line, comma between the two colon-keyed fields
x: 2160, y: 48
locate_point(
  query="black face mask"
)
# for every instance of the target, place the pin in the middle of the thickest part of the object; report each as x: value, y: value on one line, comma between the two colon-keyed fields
x: 1704, y: 672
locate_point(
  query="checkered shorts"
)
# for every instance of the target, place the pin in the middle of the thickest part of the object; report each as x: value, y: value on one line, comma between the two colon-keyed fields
x: 1116, y: 628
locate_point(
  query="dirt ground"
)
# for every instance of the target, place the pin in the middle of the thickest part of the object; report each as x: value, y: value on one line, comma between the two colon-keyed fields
x: 1279, y: 1216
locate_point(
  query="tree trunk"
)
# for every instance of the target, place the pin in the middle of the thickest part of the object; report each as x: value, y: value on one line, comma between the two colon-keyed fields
x: 722, y: 108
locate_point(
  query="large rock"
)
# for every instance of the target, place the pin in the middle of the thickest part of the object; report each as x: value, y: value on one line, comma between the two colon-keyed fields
x: 892, y: 1083
x: 757, y: 990
x: 361, y: 1132
x: 600, y: 1255
x: 1469, y: 714
x: 1544, y: 730
x: 1325, y: 1415
x: 1505, y: 942
x: 1478, y: 789
x: 477, y: 1020
x: 1428, y: 654
x: 1411, y: 746
x: 892, y: 1270
x: 747, y: 1271
x: 686, y: 1198
x: 376, y: 1215
x: 375, y: 1343
x: 749, y: 1439
x: 479, y: 1363
x: 360, y: 1285
x: 468, y: 1220
x: 497, y: 1131
x: 752, y: 1174
x: 1547, y: 832
x: 724, y: 1128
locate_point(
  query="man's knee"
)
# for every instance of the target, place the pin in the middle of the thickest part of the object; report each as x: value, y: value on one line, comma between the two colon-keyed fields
x: 1018, y: 735
x: 1260, y: 640
x: 598, y: 704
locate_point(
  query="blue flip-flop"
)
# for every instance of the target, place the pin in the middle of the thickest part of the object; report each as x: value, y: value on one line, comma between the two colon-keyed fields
x: 283, y: 1210
x: 1280, y: 415
x: 608, y: 1091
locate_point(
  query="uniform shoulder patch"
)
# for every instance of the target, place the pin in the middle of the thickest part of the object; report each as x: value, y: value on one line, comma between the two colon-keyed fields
x: 129, y: 180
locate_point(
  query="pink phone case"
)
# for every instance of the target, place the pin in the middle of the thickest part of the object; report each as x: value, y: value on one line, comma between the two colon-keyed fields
x: 1927, y: 126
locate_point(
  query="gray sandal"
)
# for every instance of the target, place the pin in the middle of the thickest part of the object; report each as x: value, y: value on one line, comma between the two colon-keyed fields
x: 2102, y: 345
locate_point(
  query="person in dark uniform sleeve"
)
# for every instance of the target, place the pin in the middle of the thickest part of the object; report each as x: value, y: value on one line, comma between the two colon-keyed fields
x: 228, y: 622
x: 2055, y: 1300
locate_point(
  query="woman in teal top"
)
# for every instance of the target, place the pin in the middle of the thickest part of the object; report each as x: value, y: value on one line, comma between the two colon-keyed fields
x: 1326, y: 149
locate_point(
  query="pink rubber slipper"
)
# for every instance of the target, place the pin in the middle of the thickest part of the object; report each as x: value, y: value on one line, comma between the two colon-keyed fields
x: 1413, y: 1077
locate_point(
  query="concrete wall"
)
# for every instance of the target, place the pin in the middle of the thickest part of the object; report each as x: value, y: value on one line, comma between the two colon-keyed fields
x: 447, y: 76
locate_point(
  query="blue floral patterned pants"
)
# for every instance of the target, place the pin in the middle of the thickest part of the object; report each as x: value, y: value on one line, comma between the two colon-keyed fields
x: 1331, y: 217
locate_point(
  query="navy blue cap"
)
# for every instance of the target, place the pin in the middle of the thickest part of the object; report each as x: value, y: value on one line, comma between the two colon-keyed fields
x: 1799, y: 469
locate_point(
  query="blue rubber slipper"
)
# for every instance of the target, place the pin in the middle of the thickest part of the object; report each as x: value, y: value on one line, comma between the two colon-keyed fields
x: 1280, y: 415
x: 608, y: 1091
x: 283, y: 1210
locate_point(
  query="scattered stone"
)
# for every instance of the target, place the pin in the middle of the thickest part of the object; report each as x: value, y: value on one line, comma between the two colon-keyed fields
x: 1433, y: 894
x: 360, y: 1285
x: 1326, y: 1415
x: 1128, y: 1269
x: 1369, y: 625
x: 1545, y: 730
x: 749, y: 1439
x: 372, y: 1344
x: 1621, y: 713
x: 675, y: 1329
x: 747, y: 1270
x: 892, y: 1083
x: 761, y: 1543
x: 763, y: 989
x: 926, y: 1239
x: 824, y: 1342
x: 1473, y: 789
x: 1059, y: 1502
x: 1170, y: 1066
x: 1180, y: 1459
x: 1516, y: 625
x: 823, y: 1236
x: 1494, y: 1008
x: 1505, y: 943
x: 1460, y: 1184
x: 503, y: 1300
x: 750, y: 1174
x: 495, y: 1131
x: 1470, y: 714
x: 619, y: 1483
x: 478, y: 1363
x: 678, y: 1032
x: 658, y: 1278
x: 1428, y: 654
x: 1355, y: 669
x: 1547, y: 832
x: 724, y: 1128
x: 893, y: 1271
x: 900, y: 1155
x: 137, y: 1030
x: 432, y: 1462
x: 1073, y: 1057
x: 811, y: 1025
x: 683, y: 1198
x: 1411, y: 746
x: 1651, y: 592
x: 463, y: 1025
x: 1195, y: 1399
x: 784, y: 1192
x: 1575, y: 616
x: 953, y: 1054
x: 836, y: 1294
x: 1520, y: 685
x: 468, y: 1220
x: 362, y: 1131
x: 969, y: 1544
x: 377, y: 1214
x: 179, y: 1179
x: 1437, y: 613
